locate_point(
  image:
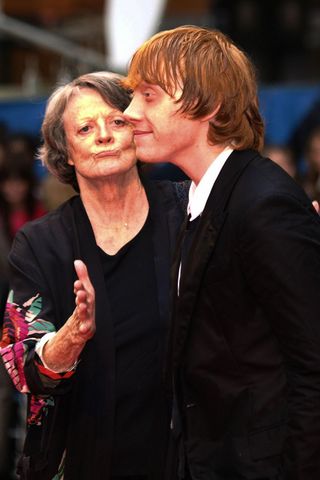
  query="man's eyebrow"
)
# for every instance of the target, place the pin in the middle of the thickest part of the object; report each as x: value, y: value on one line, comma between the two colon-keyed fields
x: 152, y: 86
x: 142, y: 84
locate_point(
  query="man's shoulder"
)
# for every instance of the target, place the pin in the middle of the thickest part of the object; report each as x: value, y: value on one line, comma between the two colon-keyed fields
x: 259, y: 172
x: 176, y: 190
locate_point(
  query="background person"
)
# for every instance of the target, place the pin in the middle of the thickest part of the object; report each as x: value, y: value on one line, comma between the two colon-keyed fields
x: 19, y: 202
x: 311, y: 177
x: 283, y: 156
x: 7, y: 405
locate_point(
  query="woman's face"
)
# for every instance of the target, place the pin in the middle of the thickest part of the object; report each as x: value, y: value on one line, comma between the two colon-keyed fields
x: 99, y: 139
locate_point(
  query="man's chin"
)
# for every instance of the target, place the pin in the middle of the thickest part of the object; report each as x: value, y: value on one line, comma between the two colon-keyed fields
x: 147, y: 157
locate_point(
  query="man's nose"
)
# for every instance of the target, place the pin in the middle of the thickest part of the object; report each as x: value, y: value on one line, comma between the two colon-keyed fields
x: 132, y: 112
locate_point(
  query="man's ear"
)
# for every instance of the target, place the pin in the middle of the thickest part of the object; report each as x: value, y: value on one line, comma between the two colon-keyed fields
x: 70, y: 162
x: 210, y: 116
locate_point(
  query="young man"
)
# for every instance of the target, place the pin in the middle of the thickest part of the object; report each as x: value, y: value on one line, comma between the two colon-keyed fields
x: 244, y: 350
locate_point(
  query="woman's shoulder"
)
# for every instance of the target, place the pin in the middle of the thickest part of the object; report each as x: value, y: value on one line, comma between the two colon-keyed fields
x: 54, y: 221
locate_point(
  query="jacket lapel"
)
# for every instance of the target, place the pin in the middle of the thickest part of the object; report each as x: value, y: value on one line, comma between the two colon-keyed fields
x: 202, y: 248
x: 166, y: 218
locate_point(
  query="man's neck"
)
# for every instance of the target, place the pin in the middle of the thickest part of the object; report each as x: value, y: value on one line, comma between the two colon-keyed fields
x: 196, y: 166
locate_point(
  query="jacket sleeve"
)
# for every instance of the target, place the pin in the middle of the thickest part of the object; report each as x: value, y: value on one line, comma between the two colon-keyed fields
x: 29, y: 315
x: 280, y: 250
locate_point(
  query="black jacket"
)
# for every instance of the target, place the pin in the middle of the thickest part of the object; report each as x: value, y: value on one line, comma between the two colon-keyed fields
x: 77, y: 414
x: 245, y: 340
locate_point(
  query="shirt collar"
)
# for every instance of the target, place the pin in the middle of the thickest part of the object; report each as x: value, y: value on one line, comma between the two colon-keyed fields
x: 198, y: 194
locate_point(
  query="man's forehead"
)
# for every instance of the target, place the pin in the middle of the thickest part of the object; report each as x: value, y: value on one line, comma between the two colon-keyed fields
x: 155, y: 70
x: 173, y: 91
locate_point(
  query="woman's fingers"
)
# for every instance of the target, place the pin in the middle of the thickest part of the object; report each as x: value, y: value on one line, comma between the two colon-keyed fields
x: 81, y: 297
x: 83, y: 275
x: 84, y: 299
x: 83, y: 288
x: 316, y: 206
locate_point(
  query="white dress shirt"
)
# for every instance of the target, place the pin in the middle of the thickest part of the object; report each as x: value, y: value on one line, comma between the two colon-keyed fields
x: 198, y: 194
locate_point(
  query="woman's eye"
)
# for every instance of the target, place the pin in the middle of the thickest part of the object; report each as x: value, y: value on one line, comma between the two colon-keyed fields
x: 119, y: 121
x: 85, y: 129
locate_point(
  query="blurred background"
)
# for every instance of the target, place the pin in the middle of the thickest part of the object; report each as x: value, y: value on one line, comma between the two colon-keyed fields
x: 45, y: 43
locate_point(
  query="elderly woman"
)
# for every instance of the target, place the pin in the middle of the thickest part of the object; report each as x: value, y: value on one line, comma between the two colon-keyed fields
x: 87, y: 314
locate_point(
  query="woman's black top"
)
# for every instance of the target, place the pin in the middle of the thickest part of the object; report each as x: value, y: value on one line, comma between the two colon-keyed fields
x: 138, y: 334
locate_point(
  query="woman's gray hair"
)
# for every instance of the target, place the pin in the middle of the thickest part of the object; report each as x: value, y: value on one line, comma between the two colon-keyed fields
x: 54, y: 151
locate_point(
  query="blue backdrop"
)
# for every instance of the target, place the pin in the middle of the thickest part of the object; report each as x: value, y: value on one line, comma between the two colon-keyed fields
x: 283, y: 108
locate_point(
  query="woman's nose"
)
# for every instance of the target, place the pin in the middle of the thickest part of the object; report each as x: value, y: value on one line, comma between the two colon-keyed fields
x: 104, y: 134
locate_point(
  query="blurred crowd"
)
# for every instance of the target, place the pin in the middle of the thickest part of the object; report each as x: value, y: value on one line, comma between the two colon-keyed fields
x: 300, y: 156
x: 25, y: 194
x: 28, y: 192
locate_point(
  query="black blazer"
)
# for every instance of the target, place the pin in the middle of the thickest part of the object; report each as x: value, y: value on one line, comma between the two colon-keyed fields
x: 245, y: 340
x: 78, y: 413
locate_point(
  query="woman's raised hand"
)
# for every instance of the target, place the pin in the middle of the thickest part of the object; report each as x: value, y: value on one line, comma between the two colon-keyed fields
x: 85, y: 301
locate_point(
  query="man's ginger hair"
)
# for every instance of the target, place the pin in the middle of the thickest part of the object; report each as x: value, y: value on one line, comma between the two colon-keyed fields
x: 214, y: 76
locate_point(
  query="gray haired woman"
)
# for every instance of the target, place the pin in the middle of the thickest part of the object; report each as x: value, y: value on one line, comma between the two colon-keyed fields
x: 87, y: 314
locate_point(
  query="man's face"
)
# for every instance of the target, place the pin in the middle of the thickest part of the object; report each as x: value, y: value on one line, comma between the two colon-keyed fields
x: 161, y: 133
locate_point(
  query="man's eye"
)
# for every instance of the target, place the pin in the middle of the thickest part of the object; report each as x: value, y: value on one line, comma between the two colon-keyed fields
x: 148, y: 96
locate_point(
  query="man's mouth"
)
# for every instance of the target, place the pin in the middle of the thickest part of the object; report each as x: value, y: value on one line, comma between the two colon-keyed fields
x: 137, y: 133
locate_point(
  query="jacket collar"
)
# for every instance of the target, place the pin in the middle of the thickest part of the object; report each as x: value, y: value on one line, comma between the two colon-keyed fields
x: 203, y: 245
